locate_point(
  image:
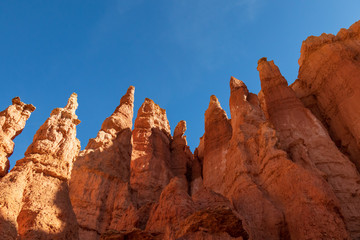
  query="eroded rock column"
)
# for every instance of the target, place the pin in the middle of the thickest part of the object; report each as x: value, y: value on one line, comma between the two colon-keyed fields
x: 12, y: 122
x: 308, y: 144
x: 99, y: 182
x: 34, y: 200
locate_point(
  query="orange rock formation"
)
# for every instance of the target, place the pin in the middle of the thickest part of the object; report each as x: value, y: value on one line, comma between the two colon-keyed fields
x: 284, y: 166
x: 12, y: 122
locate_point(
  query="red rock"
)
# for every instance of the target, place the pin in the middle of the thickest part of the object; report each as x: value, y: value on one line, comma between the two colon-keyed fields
x: 272, y: 171
x: 174, y: 205
x: 263, y: 185
x: 304, y: 138
x: 12, y: 122
x: 328, y: 84
x: 247, y: 198
x: 181, y: 156
x: 34, y: 198
x: 99, y: 189
x: 150, y: 169
x: 216, y: 139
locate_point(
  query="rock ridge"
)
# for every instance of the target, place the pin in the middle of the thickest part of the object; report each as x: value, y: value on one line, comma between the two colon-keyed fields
x: 284, y: 164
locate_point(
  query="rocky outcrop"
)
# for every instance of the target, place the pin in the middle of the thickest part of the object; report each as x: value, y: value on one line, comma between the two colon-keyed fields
x: 282, y: 167
x: 308, y: 144
x: 181, y: 156
x: 99, y: 189
x: 328, y: 84
x: 216, y: 140
x: 34, y: 196
x: 263, y: 183
x: 150, y: 160
x: 12, y: 122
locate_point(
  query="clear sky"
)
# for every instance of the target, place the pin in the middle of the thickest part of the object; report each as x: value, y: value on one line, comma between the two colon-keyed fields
x: 177, y: 53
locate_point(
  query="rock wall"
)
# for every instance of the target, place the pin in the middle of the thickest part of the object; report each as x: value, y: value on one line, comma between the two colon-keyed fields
x: 284, y: 166
x: 328, y: 84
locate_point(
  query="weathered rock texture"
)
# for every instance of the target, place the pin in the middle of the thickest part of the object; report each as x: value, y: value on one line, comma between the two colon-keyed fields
x: 34, y: 196
x: 99, y: 181
x: 282, y: 167
x: 328, y: 84
x: 304, y: 138
x: 12, y: 122
x: 150, y: 160
x: 260, y: 180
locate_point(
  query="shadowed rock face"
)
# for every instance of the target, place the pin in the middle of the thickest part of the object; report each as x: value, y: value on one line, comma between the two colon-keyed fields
x: 99, y: 182
x: 328, y: 84
x: 263, y: 183
x: 34, y: 196
x: 12, y: 122
x: 304, y: 138
x: 271, y: 171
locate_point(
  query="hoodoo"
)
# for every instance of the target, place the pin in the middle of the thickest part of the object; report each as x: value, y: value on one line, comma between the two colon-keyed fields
x: 283, y: 165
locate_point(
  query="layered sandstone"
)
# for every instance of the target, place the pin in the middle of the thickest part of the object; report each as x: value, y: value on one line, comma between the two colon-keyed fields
x: 328, y: 84
x: 34, y: 196
x: 12, y: 122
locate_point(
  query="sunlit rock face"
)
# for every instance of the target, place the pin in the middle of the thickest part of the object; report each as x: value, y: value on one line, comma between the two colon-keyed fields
x: 282, y: 164
x: 12, y: 122
x: 34, y: 196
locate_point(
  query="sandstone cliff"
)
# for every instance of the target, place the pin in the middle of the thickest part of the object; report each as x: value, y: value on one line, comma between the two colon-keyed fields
x: 285, y: 165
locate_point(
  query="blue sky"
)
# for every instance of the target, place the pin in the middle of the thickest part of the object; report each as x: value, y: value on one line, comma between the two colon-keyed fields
x: 177, y: 53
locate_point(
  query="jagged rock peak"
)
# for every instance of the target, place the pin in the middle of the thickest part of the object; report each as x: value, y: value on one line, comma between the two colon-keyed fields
x: 269, y: 74
x: 180, y: 129
x: 122, y: 116
x: 55, y: 145
x: 152, y: 115
x: 72, y: 103
x: 150, y: 170
x: 128, y: 98
x: 12, y: 122
x: 103, y: 169
x: 235, y: 84
x: 34, y: 199
x: 313, y: 43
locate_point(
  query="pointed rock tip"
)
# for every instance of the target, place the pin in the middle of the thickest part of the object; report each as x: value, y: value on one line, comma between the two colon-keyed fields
x: 214, y: 101
x: 131, y: 90
x: 267, y: 69
x: 72, y: 103
x: 236, y: 83
x: 128, y: 98
x: 213, y: 98
x: 16, y: 100
x: 264, y: 62
x: 180, y: 128
x: 263, y: 59
x: 149, y: 105
x: 28, y: 107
